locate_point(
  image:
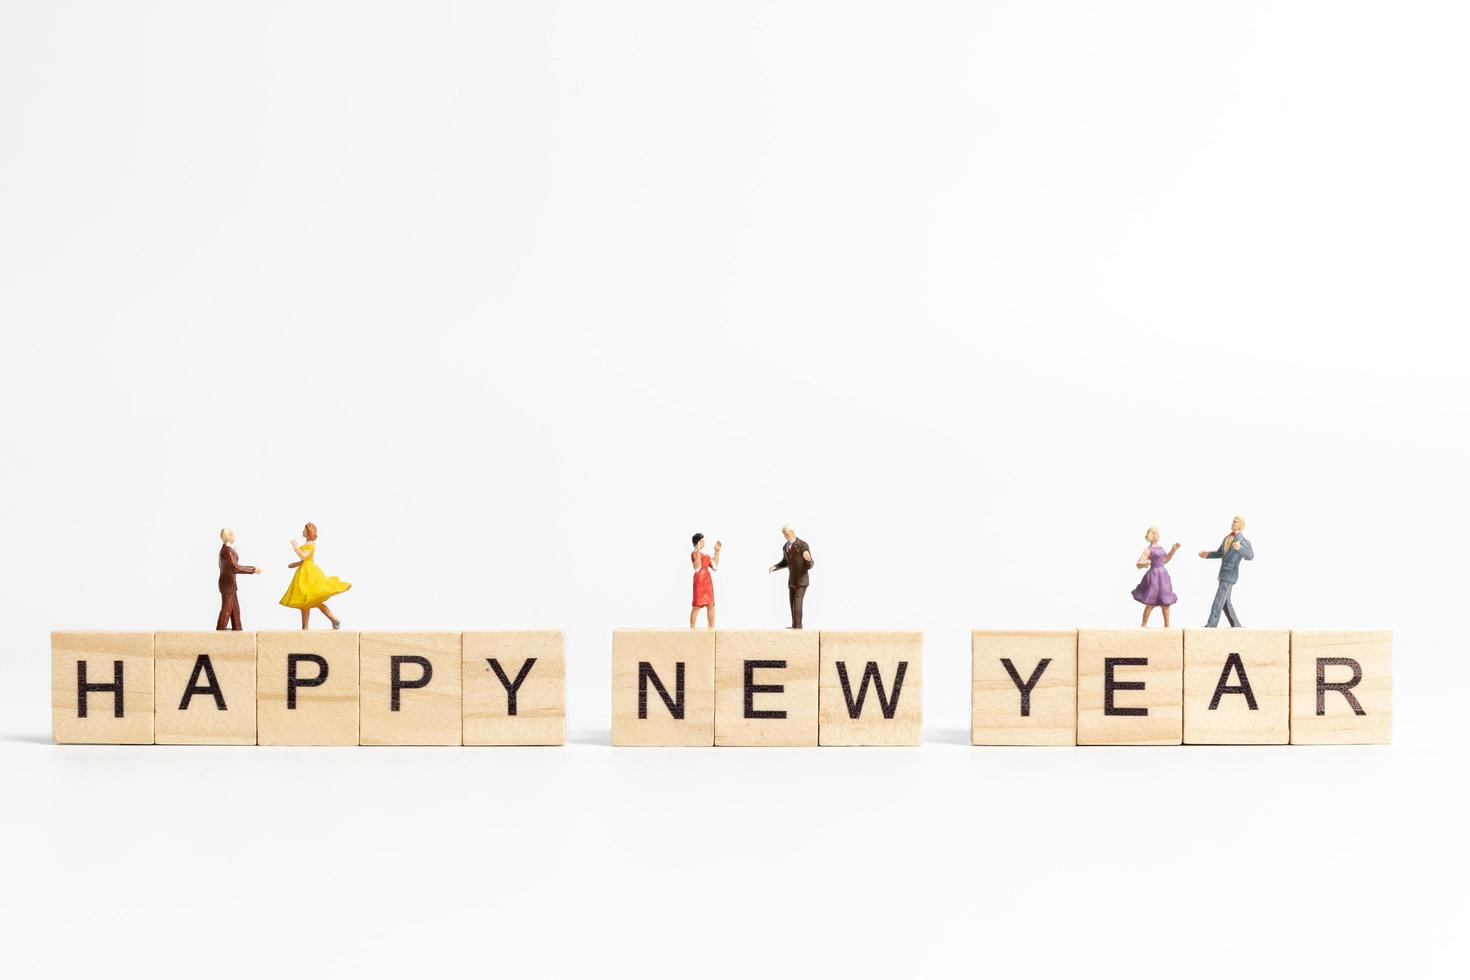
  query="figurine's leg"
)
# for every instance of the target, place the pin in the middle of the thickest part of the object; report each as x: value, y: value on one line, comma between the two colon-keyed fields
x: 327, y: 613
x: 235, y: 623
x: 224, y: 612
x: 1222, y: 595
x: 1230, y: 611
x: 709, y: 615
x: 1146, y: 611
x: 797, y: 594
x: 305, y: 617
x: 1166, y: 616
x: 693, y: 616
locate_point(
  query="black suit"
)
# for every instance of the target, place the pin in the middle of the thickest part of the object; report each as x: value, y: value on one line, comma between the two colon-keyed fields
x: 797, y: 578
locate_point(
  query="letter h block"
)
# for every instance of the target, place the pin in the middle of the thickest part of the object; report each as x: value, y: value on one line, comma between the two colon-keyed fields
x: 871, y: 690
x: 1341, y: 688
x: 102, y: 688
x: 1130, y: 687
x: 766, y: 687
x: 663, y: 687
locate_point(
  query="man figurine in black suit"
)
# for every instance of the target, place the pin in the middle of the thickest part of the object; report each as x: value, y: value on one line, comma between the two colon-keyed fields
x: 229, y: 567
x: 796, y: 558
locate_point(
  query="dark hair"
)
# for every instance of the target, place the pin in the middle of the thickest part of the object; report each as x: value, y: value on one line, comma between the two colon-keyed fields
x: 697, y: 538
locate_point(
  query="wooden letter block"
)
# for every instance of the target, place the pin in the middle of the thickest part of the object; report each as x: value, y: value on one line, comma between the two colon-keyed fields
x: 1130, y: 687
x: 306, y: 682
x: 872, y: 688
x: 411, y: 684
x: 102, y: 688
x: 515, y: 688
x: 766, y: 687
x: 1236, y: 687
x: 1023, y: 687
x: 663, y: 687
x: 204, y: 688
x: 1341, y: 688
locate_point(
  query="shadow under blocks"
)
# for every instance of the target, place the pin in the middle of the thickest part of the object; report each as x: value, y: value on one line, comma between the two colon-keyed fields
x: 1178, y: 687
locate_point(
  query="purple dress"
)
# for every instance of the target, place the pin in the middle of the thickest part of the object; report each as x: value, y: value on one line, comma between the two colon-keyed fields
x: 1156, y: 588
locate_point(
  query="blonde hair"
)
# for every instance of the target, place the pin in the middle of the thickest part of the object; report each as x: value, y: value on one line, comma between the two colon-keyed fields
x: 1241, y: 520
x: 224, y: 533
x: 1152, y: 530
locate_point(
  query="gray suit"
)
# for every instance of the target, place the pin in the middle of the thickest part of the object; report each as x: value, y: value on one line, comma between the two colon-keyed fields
x: 1229, y: 574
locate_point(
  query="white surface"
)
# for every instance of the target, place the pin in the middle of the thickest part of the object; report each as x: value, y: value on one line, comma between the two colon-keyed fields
x: 510, y: 301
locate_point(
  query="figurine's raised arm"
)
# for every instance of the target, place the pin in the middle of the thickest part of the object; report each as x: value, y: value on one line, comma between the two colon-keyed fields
x: 1246, y: 551
x: 1171, y: 553
x: 714, y: 562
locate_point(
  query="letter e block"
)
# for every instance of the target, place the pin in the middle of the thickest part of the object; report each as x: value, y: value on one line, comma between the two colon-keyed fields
x: 871, y: 688
x: 411, y: 687
x: 1341, y: 688
x: 306, y: 683
x: 1023, y: 687
x: 515, y: 688
x: 766, y: 687
x: 204, y: 688
x: 102, y: 688
x: 1130, y: 687
x: 1237, y: 687
x: 663, y: 687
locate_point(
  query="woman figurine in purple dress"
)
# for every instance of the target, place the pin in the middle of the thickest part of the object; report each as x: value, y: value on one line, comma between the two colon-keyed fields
x: 1156, y: 589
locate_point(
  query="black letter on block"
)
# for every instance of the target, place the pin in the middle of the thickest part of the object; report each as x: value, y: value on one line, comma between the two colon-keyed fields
x: 399, y: 684
x: 116, y: 687
x: 511, y: 686
x: 203, y: 665
x: 675, y: 704
x: 293, y: 682
x: 752, y: 688
x: 1110, y: 685
x: 1345, y: 688
x: 1027, y: 687
x: 855, y: 708
x: 1224, y: 687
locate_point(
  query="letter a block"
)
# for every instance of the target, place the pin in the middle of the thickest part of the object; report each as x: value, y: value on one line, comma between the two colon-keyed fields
x: 102, y: 688
x: 1341, y: 688
x: 1023, y: 687
x: 515, y: 688
x: 871, y: 688
x: 306, y: 685
x: 1130, y: 687
x: 1236, y: 687
x: 411, y: 685
x: 766, y: 687
x: 663, y: 687
x: 204, y: 688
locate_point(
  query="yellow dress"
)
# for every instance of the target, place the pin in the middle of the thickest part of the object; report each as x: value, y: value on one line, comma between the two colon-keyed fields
x: 311, y: 587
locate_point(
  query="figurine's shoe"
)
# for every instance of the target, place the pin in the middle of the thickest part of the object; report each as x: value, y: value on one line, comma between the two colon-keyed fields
x: 336, y: 624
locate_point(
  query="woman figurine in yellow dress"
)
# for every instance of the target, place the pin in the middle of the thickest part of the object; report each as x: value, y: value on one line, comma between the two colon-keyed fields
x: 311, y: 589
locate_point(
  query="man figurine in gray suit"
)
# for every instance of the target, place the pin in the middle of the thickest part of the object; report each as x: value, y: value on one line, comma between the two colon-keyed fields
x: 1234, y: 548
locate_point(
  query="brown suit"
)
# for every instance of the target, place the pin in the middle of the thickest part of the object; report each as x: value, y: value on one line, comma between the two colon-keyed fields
x: 797, y: 578
x: 229, y: 601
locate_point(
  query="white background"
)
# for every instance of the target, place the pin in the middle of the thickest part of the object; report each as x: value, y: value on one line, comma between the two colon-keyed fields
x: 510, y: 299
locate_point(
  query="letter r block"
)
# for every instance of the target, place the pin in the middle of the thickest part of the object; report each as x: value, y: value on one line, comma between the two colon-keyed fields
x: 204, y: 688
x: 871, y: 690
x: 649, y: 705
x: 425, y: 707
x: 1002, y: 664
x: 1130, y: 687
x: 314, y: 710
x: 1236, y: 687
x: 763, y: 674
x: 87, y: 703
x: 1341, y: 688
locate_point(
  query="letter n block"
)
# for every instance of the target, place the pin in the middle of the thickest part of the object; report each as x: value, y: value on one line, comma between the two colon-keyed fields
x: 1023, y: 687
x: 1341, y: 688
x: 411, y: 687
x: 515, y: 688
x: 1130, y: 687
x: 204, y: 688
x: 663, y: 687
x: 871, y: 688
x: 766, y: 687
x: 1237, y: 687
x: 306, y: 685
x: 102, y: 688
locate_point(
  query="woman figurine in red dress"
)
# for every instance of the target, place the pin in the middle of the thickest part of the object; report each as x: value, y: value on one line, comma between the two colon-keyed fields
x: 704, y: 585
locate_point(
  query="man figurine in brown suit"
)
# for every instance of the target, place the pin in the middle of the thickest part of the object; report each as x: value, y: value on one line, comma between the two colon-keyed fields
x: 796, y: 558
x: 229, y: 567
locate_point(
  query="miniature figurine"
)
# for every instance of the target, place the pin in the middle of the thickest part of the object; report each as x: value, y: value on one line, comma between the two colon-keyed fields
x: 704, y: 584
x: 1155, y: 588
x: 796, y: 558
x: 229, y: 567
x: 1234, y: 548
x: 311, y: 589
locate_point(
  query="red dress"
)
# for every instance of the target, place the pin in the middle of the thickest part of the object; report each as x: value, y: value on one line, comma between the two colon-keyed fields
x: 704, y: 585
